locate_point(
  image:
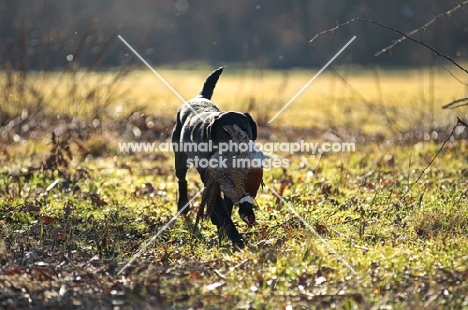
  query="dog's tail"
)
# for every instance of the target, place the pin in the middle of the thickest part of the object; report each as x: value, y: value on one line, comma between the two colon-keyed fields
x: 210, y: 83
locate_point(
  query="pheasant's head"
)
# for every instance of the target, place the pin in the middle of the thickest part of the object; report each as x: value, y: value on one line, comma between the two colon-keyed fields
x: 246, y: 212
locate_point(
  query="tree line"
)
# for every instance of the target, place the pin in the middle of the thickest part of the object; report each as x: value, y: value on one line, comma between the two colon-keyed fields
x: 52, y: 34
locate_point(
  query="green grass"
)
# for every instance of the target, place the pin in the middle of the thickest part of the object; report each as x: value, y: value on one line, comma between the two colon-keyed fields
x: 85, y: 219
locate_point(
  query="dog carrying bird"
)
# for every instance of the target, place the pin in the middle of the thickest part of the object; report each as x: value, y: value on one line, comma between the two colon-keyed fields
x: 200, y: 121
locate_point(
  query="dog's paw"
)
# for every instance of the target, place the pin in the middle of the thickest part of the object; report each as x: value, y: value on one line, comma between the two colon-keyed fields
x: 238, y: 243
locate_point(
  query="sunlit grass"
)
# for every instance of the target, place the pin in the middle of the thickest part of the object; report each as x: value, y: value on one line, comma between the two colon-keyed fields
x: 358, y: 99
x: 406, y: 246
x: 382, y: 102
x: 364, y: 216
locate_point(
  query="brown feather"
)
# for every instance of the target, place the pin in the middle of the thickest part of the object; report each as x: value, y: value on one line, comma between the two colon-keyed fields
x: 210, y: 193
x: 253, y: 180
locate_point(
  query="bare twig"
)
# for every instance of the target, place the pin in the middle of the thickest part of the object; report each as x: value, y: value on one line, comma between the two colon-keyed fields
x: 459, y: 122
x: 332, y: 30
x: 456, y: 103
x: 369, y: 105
x: 454, y: 76
x: 423, y: 27
x: 375, y: 71
x: 461, y: 197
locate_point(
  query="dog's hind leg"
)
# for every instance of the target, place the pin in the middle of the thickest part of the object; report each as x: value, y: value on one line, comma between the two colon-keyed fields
x: 181, y: 168
x: 181, y: 172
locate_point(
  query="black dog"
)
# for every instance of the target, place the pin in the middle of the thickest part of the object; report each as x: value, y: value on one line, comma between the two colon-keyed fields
x: 199, y: 121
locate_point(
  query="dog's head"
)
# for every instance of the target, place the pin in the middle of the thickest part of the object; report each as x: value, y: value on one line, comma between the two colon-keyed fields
x: 215, y: 130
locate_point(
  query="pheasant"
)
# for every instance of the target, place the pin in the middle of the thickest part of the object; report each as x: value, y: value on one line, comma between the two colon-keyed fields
x: 240, y: 184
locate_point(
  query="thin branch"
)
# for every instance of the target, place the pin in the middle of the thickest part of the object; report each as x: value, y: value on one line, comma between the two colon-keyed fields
x: 332, y: 30
x: 453, y: 104
x: 423, y: 27
x: 454, y: 76
x: 460, y: 122
x: 367, y: 103
x: 461, y: 197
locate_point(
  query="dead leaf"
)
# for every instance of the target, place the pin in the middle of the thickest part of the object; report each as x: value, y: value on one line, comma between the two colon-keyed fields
x: 98, y: 201
x: 48, y: 219
x: 320, y: 228
x: 386, y: 182
x: 195, y: 275
x: 13, y: 271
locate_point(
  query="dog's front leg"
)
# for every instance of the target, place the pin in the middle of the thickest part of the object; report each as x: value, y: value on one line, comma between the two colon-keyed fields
x: 221, y: 218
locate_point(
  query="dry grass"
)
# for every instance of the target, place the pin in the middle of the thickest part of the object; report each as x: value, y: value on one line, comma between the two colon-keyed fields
x: 68, y: 224
x: 358, y: 100
x: 398, y: 100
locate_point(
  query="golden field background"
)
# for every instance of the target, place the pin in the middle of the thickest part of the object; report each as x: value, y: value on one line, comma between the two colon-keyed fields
x: 372, y: 101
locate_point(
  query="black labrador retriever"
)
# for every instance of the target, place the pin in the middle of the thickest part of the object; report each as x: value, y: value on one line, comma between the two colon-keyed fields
x: 201, y: 121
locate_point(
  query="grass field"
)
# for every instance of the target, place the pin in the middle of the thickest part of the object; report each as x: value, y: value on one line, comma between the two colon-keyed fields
x: 348, y: 96
x: 391, y: 216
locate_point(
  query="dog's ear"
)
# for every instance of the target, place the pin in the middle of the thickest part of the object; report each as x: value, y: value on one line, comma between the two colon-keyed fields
x: 253, y: 125
x: 210, y: 131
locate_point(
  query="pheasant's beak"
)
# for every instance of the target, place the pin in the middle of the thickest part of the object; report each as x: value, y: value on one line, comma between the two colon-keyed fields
x: 252, y: 220
x: 249, y: 219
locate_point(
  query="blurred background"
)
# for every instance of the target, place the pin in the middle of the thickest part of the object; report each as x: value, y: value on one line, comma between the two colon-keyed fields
x: 270, y: 34
x: 62, y: 61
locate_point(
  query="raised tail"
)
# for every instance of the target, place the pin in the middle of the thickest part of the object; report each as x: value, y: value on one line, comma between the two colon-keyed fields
x: 210, y: 83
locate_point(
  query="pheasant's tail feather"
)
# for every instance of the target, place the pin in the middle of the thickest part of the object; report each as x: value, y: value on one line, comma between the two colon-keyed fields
x: 214, y: 193
x: 210, y: 193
